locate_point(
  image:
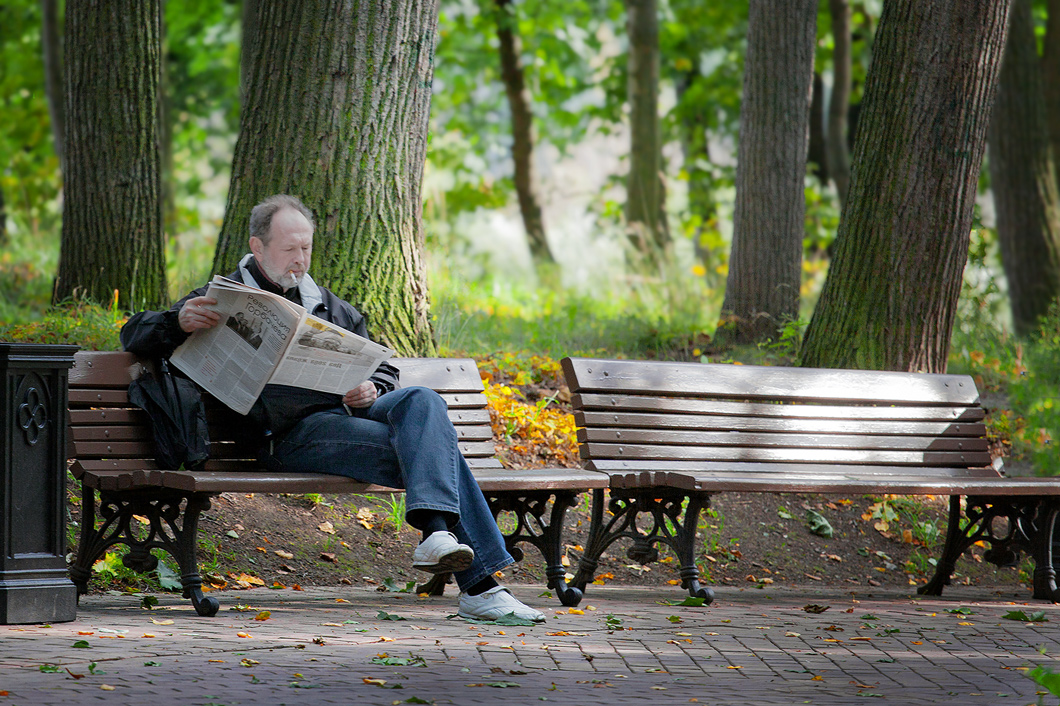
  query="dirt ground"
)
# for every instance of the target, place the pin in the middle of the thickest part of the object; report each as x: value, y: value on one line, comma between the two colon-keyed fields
x: 743, y: 539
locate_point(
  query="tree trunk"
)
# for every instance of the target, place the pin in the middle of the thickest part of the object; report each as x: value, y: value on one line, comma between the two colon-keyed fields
x: 247, y: 59
x: 336, y: 114
x: 817, y: 152
x: 3, y: 220
x: 765, y: 267
x: 51, y: 42
x: 695, y: 150
x: 839, y: 103
x: 1051, y: 74
x: 522, y: 131
x: 891, y: 295
x: 112, y: 209
x: 1023, y: 177
x: 645, y: 197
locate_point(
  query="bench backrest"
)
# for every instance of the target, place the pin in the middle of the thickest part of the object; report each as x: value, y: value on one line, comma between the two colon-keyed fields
x: 640, y: 415
x: 105, y: 426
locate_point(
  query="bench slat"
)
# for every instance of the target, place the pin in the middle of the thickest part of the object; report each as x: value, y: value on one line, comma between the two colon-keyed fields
x: 618, y: 404
x: 751, y: 382
x: 218, y: 448
x: 619, y: 467
x: 762, y: 424
x: 905, y: 485
x: 809, y: 455
x: 740, y: 439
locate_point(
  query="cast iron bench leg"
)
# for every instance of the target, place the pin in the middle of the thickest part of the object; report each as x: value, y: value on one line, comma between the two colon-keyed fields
x: 956, y: 542
x: 1043, y: 551
x: 529, y: 510
x: 89, y: 547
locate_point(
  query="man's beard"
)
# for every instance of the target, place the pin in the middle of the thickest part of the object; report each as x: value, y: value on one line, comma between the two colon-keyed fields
x: 286, y: 280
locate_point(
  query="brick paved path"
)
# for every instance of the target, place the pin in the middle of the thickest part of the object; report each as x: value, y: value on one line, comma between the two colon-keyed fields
x: 750, y: 647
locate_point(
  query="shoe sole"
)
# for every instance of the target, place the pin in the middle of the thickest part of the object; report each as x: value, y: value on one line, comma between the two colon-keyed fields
x: 468, y: 616
x: 450, y: 563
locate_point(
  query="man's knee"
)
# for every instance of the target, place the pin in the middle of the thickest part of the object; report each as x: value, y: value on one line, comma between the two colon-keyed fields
x: 422, y: 399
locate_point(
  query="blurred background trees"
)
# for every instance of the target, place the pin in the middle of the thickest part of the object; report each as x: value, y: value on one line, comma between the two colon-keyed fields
x: 573, y: 153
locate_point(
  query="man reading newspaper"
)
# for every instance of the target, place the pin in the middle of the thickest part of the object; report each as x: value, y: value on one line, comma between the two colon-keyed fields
x: 376, y: 432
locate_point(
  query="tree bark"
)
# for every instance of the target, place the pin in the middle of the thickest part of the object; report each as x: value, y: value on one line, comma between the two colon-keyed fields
x: 891, y: 294
x: 1051, y: 74
x: 645, y: 196
x: 112, y: 208
x: 522, y: 132
x: 51, y: 43
x: 1023, y: 177
x: 3, y: 219
x: 247, y: 58
x: 765, y: 267
x: 336, y: 114
x: 839, y: 102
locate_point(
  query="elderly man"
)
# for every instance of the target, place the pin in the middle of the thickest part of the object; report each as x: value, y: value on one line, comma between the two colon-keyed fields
x: 375, y: 433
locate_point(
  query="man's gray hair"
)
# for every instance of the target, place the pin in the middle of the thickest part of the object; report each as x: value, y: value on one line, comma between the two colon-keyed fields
x: 261, y: 215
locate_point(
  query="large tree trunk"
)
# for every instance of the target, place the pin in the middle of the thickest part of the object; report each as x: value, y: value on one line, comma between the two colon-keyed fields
x: 336, y: 113
x: 765, y: 267
x: 1051, y: 74
x: 1023, y: 177
x: 112, y: 209
x: 522, y: 131
x: 52, y: 46
x: 891, y: 294
x: 839, y: 103
x: 645, y: 195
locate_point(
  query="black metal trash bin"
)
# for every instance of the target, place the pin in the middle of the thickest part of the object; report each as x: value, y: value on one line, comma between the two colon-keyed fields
x: 34, y: 585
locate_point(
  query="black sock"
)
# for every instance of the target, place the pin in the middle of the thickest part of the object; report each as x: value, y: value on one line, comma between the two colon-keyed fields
x: 482, y: 586
x: 428, y: 522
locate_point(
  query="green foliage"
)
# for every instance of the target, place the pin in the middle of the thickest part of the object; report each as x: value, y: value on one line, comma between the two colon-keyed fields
x: 623, y: 318
x: 29, y: 167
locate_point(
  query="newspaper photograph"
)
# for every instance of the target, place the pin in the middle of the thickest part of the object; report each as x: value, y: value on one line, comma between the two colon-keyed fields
x: 265, y: 339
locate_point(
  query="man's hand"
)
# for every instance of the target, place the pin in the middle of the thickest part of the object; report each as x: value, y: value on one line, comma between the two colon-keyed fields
x: 361, y: 396
x: 194, y: 314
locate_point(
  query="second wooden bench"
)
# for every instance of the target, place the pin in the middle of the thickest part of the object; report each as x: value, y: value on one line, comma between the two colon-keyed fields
x: 672, y: 435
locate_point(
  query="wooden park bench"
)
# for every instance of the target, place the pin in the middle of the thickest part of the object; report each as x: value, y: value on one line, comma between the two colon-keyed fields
x: 673, y: 433
x: 110, y: 444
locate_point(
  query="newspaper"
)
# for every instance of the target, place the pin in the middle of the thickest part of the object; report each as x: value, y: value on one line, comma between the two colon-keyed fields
x: 265, y: 339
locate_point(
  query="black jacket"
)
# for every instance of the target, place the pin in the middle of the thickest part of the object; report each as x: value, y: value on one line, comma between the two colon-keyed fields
x: 156, y: 334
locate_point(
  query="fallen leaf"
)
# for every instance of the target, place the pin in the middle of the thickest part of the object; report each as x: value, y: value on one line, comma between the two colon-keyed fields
x: 327, y: 556
x: 75, y: 676
x: 814, y: 608
x: 244, y: 634
x: 106, y: 687
x: 263, y: 615
x: 161, y: 622
x: 326, y: 527
x: 283, y: 555
x: 374, y: 682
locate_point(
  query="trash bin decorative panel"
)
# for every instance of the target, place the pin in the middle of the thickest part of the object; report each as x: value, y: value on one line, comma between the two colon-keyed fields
x: 34, y: 585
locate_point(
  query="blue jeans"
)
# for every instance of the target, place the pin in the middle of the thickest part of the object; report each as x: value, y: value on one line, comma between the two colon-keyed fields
x: 403, y: 440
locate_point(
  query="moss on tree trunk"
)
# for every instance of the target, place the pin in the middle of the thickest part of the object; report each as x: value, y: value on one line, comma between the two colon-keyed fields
x: 891, y: 295
x: 335, y: 112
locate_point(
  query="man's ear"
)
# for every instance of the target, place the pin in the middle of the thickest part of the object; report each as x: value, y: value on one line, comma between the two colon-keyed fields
x: 257, y: 247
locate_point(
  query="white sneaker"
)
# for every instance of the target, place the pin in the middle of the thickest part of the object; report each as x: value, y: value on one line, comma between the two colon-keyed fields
x: 496, y: 603
x: 441, y: 553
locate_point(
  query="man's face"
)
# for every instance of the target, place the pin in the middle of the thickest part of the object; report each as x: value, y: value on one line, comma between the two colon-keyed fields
x: 285, y: 260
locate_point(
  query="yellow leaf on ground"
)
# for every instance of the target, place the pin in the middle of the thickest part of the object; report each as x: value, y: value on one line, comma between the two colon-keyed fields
x: 283, y: 555
x: 263, y: 615
x: 161, y: 622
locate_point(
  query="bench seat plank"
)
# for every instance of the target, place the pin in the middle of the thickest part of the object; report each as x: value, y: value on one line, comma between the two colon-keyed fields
x: 956, y: 459
x: 780, y: 440
x: 751, y: 382
x: 853, y: 425
x: 615, y: 403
